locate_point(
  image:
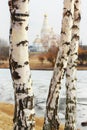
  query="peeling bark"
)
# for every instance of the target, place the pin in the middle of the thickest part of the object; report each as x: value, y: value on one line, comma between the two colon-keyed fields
x: 51, y: 121
x: 70, y: 118
x: 24, y: 115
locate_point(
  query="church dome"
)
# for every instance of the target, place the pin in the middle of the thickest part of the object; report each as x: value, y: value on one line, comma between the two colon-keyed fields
x: 37, y: 39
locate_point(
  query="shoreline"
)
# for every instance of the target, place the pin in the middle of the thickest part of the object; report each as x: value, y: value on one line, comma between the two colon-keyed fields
x: 40, y: 67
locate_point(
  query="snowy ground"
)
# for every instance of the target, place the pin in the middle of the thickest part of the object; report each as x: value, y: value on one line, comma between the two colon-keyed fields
x: 41, y: 80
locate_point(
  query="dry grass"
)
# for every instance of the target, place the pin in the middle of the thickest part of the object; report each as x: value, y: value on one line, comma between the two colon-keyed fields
x: 81, y: 51
x: 36, y: 64
x: 6, y: 116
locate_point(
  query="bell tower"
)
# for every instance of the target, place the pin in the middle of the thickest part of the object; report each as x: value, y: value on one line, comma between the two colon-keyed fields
x: 45, y: 27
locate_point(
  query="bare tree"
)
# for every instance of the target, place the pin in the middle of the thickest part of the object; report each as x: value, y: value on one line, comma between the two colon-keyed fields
x: 19, y: 65
x: 41, y: 58
x: 51, y: 121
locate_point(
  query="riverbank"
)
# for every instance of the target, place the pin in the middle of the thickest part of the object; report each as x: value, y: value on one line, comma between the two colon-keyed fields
x: 37, y: 65
x: 6, y: 117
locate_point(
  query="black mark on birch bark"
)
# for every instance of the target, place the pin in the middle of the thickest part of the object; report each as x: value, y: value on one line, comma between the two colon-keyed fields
x: 15, y: 75
x: 23, y: 43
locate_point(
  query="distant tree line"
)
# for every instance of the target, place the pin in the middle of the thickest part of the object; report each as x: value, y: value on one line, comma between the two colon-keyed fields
x: 82, y: 59
x: 4, y: 50
x: 52, y: 54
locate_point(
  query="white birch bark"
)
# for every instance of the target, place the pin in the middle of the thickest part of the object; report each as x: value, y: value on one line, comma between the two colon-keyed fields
x: 24, y: 115
x: 51, y: 121
x: 70, y: 118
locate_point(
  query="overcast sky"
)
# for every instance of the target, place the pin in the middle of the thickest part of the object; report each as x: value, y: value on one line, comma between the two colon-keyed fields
x: 37, y: 10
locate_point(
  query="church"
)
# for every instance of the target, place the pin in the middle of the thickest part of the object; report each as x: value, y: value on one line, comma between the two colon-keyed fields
x: 47, y: 39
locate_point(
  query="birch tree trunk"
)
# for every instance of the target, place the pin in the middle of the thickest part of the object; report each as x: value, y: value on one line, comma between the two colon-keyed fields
x: 70, y: 123
x: 19, y: 65
x: 51, y: 120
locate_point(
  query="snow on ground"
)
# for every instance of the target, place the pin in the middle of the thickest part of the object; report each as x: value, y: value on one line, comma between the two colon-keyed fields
x: 41, y: 80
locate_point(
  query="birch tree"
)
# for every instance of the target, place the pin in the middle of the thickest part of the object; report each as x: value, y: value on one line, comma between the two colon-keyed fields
x: 51, y: 120
x: 70, y: 118
x: 19, y: 66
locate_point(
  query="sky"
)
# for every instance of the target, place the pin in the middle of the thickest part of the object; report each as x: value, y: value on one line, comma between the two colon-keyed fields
x: 37, y: 9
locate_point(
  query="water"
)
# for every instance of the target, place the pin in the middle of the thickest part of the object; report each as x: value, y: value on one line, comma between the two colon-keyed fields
x: 41, y: 81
